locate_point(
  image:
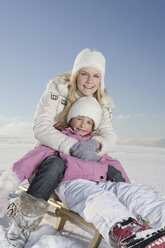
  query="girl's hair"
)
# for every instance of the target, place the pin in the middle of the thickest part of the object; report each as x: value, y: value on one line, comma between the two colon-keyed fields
x: 72, y: 88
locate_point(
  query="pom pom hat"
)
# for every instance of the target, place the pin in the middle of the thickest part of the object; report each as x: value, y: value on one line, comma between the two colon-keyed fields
x: 86, y: 106
x: 92, y: 58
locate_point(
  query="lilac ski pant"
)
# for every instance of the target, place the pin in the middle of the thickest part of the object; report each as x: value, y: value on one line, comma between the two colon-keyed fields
x: 105, y: 204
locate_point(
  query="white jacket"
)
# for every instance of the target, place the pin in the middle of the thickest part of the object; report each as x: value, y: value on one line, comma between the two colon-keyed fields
x: 53, y: 102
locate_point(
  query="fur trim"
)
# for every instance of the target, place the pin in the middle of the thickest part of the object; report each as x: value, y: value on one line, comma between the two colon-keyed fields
x: 9, y: 181
x: 27, y: 211
x: 31, y: 205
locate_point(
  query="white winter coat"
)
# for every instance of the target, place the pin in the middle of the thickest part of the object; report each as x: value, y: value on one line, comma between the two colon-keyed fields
x: 51, y: 103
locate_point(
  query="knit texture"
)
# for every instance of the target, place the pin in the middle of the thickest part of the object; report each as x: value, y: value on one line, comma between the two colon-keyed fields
x: 86, y: 106
x: 90, y: 58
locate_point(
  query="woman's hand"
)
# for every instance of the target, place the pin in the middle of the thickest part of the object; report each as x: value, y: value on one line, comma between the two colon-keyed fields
x: 85, y: 150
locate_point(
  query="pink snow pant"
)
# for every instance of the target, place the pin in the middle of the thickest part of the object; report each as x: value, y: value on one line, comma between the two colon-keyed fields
x: 105, y: 204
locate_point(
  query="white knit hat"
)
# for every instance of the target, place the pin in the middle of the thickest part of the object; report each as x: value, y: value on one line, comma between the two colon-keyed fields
x: 92, y: 58
x: 86, y: 106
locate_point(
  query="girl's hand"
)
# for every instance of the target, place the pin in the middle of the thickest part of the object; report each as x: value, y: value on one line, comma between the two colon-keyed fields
x: 85, y: 150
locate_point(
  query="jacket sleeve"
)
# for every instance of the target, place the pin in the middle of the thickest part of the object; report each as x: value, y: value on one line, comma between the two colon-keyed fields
x: 107, y: 137
x: 44, y: 119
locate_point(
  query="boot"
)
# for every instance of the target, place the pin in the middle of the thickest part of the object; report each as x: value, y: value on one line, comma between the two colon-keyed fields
x: 125, y: 231
x: 131, y: 234
x: 26, y: 213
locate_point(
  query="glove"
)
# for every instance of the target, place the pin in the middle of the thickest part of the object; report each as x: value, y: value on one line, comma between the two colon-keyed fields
x: 114, y: 175
x: 85, y: 150
x: 3, y: 201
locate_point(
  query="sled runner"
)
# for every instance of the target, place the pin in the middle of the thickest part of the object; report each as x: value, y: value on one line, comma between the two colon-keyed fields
x: 63, y: 213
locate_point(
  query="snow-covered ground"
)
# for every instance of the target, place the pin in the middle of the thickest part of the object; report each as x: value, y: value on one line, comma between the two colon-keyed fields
x: 144, y: 165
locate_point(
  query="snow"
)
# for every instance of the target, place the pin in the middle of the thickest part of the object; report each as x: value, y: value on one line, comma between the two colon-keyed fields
x: 144, y: 165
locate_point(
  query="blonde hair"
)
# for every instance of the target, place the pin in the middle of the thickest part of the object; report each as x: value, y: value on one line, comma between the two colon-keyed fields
x: 72, y: 88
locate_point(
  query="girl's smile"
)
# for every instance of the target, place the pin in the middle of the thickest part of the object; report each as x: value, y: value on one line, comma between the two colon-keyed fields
x: 82, y: 125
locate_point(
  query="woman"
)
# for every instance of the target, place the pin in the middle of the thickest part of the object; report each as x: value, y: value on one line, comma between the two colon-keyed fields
x: 86, y: 79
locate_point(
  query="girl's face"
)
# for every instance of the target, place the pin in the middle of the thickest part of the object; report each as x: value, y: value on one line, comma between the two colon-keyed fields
x: 82, y: 125
x: 88, y: 81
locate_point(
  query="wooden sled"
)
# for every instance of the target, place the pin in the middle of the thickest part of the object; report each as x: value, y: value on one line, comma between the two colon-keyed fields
x: 62, y: 213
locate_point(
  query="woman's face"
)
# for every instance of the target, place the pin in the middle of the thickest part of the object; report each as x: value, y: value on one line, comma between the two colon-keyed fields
x: 82, y: 125
x: 88, y: 81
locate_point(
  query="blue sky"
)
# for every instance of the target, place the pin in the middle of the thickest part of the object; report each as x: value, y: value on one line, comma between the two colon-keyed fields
x: 40, y: 39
